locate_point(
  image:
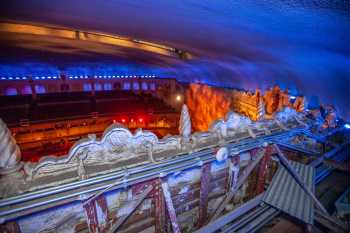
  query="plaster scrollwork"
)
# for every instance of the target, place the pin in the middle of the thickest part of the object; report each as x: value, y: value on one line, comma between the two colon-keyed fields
x: 117, y: 143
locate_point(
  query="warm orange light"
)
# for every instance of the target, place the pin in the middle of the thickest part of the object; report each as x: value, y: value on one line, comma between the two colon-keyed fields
x: 132, y: 120
x: 206, y: 104
x: 178, y: 98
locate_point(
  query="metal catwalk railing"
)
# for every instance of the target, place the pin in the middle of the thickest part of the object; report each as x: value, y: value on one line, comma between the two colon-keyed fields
x: 27, y: 203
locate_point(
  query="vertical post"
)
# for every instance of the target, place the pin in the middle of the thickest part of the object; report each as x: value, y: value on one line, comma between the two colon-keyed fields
x: 263, y: 169
x: 160, y: 223
x: 92, y: 95
x: 32, y: 87
x: 308, y: 228
x: 204, y: 193
x: 233, y: 171
x: 241, y: 180
x: 97, y: 214
x: 10, y: 227
x: 91, y: 217
x: 170, y: 207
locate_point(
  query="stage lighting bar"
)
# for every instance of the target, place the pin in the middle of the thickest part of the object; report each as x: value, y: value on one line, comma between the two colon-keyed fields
x: 77, y: 77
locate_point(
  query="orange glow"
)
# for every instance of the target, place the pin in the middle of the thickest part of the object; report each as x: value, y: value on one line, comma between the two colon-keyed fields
x: 178, y: 98
x: 206, y: 104
x: 109, y: 39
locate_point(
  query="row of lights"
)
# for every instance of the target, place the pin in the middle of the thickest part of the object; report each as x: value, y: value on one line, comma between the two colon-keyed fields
x: 13, y: 78
x: 79, y: 77
x: 132, y: 120
x: 122, y: 76
x: 25, y: 78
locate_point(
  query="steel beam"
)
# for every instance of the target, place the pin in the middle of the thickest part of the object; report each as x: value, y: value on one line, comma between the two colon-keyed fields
x: 170, y: 207
x: 336, y: 165
x: 134, y: 204
x: 204, y: 191
x: 329, y: 154
x: 159, y: 206
x: 263, y: 169
x: 328, y: 220
x: 10, y: 227
x: 246, y: 172
x: 231, y: 216
x: 91, y: 216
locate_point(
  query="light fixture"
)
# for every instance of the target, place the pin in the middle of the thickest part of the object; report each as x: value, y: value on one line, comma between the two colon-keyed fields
x: 178, y: 98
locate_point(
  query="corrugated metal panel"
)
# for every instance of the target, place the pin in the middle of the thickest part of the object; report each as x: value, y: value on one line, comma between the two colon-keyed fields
x: 285, y: 194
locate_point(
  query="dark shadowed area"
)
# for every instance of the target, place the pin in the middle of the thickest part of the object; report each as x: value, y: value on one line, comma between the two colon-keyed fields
x: 302, y: 45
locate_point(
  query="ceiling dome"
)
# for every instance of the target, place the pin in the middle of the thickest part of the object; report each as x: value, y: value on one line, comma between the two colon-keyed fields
x: 300, y: 45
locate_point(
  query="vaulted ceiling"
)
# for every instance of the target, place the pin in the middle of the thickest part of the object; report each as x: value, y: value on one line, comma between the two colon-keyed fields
x: 299, y: 44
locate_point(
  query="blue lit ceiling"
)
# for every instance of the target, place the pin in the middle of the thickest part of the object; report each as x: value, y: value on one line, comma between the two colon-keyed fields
x: 299, y: 44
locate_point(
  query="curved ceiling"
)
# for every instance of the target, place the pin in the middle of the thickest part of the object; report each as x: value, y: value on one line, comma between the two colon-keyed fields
x: 299, y: 44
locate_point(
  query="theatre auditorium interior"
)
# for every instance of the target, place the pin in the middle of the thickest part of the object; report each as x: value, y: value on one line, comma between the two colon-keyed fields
x: 160, y: 116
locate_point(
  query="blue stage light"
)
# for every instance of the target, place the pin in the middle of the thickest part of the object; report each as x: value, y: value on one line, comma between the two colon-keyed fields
x: 347, y: 126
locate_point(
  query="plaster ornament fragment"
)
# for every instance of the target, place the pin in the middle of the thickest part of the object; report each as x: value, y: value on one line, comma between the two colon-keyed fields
x: 221, y: 154
x: 10, y: 154
x: 149, y: 147
x: 220, y: 128
x: 185, y: 122
x: 81, y: 167
x: 232, y: 120
x: 11, y: 178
